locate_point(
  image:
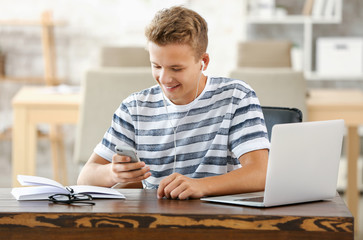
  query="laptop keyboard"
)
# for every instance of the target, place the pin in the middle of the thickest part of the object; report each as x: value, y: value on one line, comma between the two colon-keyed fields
x: 253, y: 199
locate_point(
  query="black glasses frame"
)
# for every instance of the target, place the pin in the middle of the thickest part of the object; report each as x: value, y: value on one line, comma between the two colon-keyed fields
x: 72, y: 198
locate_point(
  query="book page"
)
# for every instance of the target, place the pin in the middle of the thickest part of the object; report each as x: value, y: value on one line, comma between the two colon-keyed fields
x: 95, y: 191
x: 36, y: 193
x: 26, y: 180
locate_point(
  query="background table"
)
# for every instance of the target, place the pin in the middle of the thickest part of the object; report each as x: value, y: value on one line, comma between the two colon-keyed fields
x: 348, y: 105
x: 32, y: 106
x: 142, y: 216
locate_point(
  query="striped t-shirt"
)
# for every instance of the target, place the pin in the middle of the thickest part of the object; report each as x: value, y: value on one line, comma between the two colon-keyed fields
x: 224, y: 122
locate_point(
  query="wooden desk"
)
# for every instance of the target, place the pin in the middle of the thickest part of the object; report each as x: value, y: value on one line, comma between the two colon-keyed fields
x: 143, y: 216
x: 347, y: 105
x: 32, y: 106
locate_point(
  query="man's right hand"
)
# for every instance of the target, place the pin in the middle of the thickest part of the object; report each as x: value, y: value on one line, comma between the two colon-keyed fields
x: 123, y: 171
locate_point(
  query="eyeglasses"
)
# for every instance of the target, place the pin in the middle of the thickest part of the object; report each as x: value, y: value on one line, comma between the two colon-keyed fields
x: 79, y: 199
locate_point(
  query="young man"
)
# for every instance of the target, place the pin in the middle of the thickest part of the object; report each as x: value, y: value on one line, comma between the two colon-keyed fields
x: 195, y: 135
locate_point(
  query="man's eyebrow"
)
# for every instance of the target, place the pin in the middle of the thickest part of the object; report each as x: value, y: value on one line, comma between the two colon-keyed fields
x: 171, y: 66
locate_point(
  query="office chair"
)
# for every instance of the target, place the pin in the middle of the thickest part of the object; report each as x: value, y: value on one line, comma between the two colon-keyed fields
x: 280, y: 88
x: 279, y: 115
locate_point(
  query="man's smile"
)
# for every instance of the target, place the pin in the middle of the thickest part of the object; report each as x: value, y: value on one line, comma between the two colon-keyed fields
x: 170, y: 88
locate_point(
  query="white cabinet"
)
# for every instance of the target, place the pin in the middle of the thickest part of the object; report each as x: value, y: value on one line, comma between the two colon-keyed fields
x: 308, y: 22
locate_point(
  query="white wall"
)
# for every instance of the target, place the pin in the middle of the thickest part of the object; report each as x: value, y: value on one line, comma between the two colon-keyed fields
x: 92, y: 24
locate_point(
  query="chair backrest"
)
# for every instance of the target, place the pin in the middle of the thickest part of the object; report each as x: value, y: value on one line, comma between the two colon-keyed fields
x: 279, y: 115
x: 102, y: 93
x: 276, y: 87
x: 264, y: 54
x: 124, y: 57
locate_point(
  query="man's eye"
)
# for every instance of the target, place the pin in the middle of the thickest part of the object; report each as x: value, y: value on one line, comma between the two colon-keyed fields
x: 157, y: 67
x: 176, y: 69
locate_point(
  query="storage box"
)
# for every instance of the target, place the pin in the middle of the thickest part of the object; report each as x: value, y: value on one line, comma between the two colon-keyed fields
x: 339, y: 56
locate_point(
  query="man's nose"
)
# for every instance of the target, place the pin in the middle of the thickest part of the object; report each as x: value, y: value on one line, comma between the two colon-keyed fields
x: 164, y: 76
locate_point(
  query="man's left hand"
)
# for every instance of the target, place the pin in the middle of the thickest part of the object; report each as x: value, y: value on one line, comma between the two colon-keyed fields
x: 177, y: 186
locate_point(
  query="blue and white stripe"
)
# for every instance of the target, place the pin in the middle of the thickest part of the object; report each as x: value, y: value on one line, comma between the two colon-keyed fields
x: 224, y: 122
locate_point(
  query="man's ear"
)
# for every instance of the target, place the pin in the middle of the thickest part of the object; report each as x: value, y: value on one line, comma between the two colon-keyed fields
x: 205, y: 61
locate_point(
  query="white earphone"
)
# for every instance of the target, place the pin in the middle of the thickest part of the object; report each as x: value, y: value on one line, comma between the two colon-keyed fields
x: 202, y: 66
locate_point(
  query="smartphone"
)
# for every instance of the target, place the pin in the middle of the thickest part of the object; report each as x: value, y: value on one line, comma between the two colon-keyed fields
x: 127, y: 151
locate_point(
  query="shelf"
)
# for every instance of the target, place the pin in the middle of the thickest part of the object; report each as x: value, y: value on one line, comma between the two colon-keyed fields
x: 292, y: 19
x: 325, y: 20
x: 307, y: 22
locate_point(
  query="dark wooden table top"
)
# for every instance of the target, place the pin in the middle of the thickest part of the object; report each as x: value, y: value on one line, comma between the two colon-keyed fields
x: 142, y: 216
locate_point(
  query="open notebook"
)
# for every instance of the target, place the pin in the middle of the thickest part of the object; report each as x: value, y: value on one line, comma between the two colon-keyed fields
x: 40, y: 188
x: 303, y: 165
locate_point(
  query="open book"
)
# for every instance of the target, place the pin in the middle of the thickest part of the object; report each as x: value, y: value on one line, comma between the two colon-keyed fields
x: 41, y: 188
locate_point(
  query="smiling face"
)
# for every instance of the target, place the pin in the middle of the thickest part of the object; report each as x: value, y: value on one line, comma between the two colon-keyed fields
x: 177, y: 71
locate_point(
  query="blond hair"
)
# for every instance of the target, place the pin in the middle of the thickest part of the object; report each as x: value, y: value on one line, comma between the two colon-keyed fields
x: 179, y: 25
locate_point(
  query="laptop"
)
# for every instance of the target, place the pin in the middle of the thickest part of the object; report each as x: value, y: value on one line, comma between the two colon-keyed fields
x: 302, y: 167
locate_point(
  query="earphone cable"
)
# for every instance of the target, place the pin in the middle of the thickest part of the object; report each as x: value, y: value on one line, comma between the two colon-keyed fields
x: 177, y: 123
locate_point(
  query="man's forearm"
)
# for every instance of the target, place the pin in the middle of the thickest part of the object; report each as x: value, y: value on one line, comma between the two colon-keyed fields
x: 250, y: 178
x: 237, y: 181
x: 95, y: 174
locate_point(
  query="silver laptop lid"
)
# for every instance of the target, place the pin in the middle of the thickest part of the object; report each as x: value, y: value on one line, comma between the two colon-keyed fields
x: 303, y: 162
